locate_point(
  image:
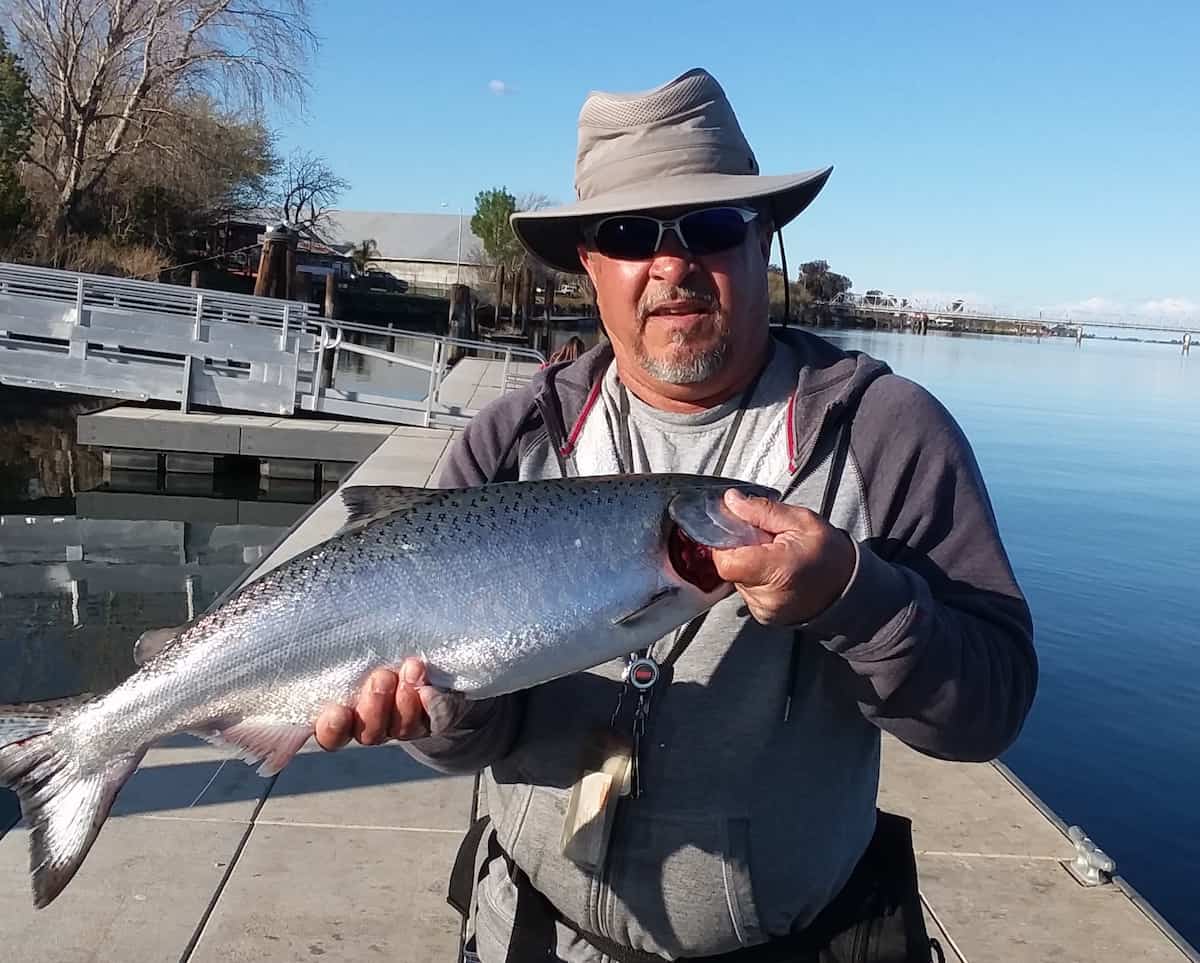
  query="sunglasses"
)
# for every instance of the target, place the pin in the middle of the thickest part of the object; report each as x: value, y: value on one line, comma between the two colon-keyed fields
x: 635, y: 237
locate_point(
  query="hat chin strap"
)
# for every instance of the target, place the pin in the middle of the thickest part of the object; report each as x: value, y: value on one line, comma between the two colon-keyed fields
x: 787, y: 285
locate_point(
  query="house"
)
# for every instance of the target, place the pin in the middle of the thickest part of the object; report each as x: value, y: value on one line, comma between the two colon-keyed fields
x: 238, y: 243
x: 429, y: 251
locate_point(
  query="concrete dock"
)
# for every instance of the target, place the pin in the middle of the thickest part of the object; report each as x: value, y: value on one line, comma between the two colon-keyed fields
x: 346, y: 855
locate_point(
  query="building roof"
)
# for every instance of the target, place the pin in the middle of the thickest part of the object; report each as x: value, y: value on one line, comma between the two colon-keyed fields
x: 407, y: 237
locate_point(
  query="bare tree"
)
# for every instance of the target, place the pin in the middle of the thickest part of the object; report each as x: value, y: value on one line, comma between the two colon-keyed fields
x: 527, y: 272
x: 309, y: 191
x: 105, y: 73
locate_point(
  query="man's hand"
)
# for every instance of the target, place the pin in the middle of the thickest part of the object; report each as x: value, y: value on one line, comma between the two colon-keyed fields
x: 390, y: 706
x: 796, y: 576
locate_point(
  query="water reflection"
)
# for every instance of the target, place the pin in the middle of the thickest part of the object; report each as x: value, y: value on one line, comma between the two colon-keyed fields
x: 89, y: 560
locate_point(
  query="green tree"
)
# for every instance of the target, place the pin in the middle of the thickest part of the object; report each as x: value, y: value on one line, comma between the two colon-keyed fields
x: 16, y: 125
x: 490, y: 224
x: 501, y: 248
x: 821, y: 283
x: 209, y: 165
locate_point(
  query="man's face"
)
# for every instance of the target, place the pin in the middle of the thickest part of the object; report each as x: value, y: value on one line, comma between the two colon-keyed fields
x: 685, y: 320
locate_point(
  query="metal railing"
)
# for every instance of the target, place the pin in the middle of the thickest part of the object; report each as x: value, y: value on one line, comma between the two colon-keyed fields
x: 445, y: 380
x: 125, y: 294
x: 140, y: 340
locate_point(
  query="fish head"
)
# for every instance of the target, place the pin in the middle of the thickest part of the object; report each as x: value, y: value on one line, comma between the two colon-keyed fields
x: 698, y: 521
x: 693, y: 520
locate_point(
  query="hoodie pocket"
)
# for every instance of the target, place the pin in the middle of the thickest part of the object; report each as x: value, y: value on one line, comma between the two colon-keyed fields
x: 743, y: 910
x: 680, y: 885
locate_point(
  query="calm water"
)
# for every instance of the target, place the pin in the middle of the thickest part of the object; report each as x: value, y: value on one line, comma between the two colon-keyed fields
x: 88, y: 562
x: 1091, y: 455
x: 1092, y: 458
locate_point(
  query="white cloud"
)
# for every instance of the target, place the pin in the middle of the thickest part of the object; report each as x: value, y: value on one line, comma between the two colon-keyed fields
x: 1094, y: 306
x: 1165, y: 310
x: 1172, y: 309
x: 500, y: 88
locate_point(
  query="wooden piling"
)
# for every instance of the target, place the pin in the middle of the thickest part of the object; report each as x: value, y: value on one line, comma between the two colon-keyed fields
x: 330, y: 294
x: 277, y: 265
x: 195, y: 278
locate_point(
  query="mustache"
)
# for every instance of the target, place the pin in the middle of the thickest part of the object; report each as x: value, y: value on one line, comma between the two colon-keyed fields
x: 653, y: 299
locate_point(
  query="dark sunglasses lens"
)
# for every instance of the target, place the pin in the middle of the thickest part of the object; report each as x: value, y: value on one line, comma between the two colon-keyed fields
x: 627, y: 237
x: 713, y: 230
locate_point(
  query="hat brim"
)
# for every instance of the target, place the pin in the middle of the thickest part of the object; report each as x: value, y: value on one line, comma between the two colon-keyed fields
x: 552, y: 235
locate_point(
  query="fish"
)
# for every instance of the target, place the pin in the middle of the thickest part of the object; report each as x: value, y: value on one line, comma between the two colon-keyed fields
x: 497, y: 588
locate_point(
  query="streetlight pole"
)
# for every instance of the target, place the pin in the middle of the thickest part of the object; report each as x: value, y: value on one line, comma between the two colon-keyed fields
x: 458, y: 257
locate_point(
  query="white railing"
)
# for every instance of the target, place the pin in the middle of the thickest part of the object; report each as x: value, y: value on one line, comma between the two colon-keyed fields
x: 433, y: 379
x: 100, y: 291
x: 142, y: 341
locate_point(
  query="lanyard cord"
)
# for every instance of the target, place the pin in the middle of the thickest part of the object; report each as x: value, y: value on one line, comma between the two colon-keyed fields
x: 685, y: 634
x: 625, y: 441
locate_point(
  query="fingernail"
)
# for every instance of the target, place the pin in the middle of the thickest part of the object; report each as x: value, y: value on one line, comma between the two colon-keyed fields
x: 381, y: 684
x: 413, y: 672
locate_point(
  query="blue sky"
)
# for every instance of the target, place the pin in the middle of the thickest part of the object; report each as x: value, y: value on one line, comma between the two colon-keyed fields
x: 1032, y: 156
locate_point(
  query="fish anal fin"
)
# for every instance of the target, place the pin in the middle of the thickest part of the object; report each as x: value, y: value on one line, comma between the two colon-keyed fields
x: 635, y: 614
x: 370, y: 503
x: 265, y: 742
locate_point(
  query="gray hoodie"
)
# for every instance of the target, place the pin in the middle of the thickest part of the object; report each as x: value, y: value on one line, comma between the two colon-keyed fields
x: 749, y: 824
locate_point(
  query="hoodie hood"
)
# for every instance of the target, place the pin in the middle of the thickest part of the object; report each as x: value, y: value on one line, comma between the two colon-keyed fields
x: 829, y: 384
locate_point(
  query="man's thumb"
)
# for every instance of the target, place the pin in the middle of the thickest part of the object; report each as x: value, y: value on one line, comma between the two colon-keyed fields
x: 770, y: 516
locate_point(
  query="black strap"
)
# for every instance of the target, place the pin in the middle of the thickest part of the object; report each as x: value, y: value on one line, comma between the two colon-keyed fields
x: 462, y: 875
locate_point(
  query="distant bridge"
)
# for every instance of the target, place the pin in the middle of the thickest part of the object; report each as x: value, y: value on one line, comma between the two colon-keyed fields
x: 959, y: 311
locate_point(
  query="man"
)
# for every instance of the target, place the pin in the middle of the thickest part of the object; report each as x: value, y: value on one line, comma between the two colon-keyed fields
x: 884, y: 600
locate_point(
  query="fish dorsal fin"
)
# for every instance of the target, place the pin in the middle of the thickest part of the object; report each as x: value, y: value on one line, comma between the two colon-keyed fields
x: 370, y: 503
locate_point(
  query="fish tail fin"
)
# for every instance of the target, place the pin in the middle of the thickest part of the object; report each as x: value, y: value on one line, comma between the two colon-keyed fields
x: 64, y: 805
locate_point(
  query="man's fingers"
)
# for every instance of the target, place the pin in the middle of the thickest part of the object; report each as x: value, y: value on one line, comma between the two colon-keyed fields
x: 739, y: 565
x: 409, y: 720
x: 374, y: 707
x: 334, y: 727
x: 771, y: 516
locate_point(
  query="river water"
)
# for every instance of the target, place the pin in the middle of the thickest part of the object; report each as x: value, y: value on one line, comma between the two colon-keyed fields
x: 1092, y: 458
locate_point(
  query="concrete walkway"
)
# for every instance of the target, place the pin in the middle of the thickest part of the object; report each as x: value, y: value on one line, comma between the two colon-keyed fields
x: 345, y: 856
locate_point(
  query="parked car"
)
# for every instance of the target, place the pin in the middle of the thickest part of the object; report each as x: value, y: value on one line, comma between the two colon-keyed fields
x: 378, y: 280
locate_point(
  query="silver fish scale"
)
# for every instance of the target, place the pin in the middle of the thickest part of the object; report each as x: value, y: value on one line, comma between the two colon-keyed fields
x: 497, y: 589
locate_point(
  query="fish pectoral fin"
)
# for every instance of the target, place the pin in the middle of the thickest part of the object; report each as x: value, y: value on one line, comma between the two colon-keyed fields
x: 659, y: 596
x: 269, y: 743
x: 704, y: 518
x: 370, y: 503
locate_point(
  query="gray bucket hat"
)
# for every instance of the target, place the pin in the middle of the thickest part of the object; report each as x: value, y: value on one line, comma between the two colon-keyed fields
x: 678, y: 145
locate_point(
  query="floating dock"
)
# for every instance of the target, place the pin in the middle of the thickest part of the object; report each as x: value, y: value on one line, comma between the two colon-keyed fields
x: 345, y: 856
